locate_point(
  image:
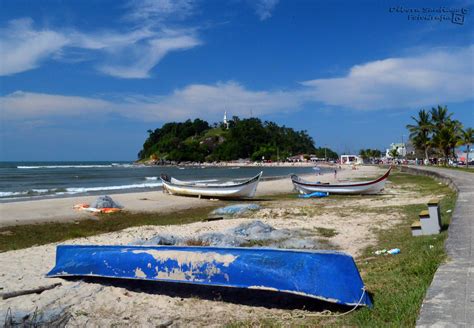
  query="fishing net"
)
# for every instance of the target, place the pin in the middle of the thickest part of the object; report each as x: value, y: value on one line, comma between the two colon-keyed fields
x: 105, y: 202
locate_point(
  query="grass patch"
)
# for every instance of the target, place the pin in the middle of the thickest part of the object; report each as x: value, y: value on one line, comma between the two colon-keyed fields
x: 326, y: 232
x: 257, y: 243
x: 423, y: 185
x: 23, y: 236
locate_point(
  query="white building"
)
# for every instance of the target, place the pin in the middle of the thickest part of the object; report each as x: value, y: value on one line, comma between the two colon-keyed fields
x: 351, y: 159
x: 400, y: 147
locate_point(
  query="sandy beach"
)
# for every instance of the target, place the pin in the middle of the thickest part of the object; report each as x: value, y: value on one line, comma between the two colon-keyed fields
x: 102, y: 304
x: 61, y: 209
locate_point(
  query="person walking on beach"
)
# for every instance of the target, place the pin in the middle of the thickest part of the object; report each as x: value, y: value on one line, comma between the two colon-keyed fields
x: 335, y: 174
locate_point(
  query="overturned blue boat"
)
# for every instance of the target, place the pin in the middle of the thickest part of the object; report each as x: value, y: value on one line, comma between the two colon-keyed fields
x: 323, y: 275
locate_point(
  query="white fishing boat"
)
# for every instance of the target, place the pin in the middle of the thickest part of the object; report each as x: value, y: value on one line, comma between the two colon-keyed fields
x: 359, y: 187
x: 230, y: 189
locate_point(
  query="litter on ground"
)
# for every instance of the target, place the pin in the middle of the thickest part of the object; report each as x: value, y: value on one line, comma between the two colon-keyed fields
x: 315, y: 194
x: 393, y: 251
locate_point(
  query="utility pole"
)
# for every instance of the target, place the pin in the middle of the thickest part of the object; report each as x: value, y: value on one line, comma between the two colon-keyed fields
x: 404, y: 149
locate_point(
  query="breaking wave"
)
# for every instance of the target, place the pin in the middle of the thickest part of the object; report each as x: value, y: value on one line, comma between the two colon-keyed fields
x: 74, y: 190
x: 85, y: 166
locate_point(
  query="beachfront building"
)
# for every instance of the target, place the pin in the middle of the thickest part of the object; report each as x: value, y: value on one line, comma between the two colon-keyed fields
x: 351, y: 159
x: 315, y: 159
x: 400, y: 147
x: 462, y: 156
x: 297, y: 158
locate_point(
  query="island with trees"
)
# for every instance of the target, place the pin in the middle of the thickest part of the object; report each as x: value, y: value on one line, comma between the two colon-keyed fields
x: 250, y: 138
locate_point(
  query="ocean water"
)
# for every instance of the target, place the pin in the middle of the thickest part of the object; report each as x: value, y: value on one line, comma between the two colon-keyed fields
x: 39, y: 180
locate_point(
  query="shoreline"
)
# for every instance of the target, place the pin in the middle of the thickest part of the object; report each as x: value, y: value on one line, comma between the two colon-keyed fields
x: 92, y: 183
x: 61, y: 209
x: 112, y: 192
x: 237, y: 164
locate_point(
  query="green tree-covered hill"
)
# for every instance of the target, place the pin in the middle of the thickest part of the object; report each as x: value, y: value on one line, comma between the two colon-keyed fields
x: 245, y: 138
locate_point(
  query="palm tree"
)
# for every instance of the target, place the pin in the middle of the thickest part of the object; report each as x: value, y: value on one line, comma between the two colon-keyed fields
x: 442, y: 141
x: 420, y: 133
x: 467, y: 139
x: 440, y: 117
x: 447, y: 137
x: 393, y: 152
x: 455, y: 127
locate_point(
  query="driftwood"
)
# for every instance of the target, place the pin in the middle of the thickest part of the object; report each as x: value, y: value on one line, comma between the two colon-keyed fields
x: 38, y: 290
x: 213, y: 219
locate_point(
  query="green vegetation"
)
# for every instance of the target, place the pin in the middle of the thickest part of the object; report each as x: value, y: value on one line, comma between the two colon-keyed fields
x: 245, y: 138
x: 24, y: 236
x: 325, y: 232
x: 436, y: 133
x: 370, y: 154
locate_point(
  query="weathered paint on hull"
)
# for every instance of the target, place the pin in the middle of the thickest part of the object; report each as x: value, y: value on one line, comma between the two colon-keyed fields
x: 324, y: 275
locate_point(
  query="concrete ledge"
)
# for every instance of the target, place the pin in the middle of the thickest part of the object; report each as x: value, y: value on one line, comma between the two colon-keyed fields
x: 424, y: 214
x: 449, y: 301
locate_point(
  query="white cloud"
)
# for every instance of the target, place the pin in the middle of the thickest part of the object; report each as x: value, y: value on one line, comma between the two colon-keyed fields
x: 128, y: 53
x: 156, y: 11
x: 198, y: 100
x: 21, y: 105
x: 264, y: 8
x: 437, y: 76
x: 102, y: 40
x: 23, y: 48
x: 137, y: 61
x: 210, y: 101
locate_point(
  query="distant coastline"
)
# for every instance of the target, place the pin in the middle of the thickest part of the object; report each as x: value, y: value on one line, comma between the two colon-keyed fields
x: 237, y: 164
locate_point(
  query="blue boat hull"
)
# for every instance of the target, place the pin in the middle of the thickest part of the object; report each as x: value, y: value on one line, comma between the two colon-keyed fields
x: 324, y: 275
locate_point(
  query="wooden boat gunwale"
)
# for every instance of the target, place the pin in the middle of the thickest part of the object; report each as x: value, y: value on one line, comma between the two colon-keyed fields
x: 337, y: 185
x: 167, y: 180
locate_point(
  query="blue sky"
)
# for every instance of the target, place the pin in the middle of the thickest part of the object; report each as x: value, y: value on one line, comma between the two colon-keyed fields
x: 85, y: 80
